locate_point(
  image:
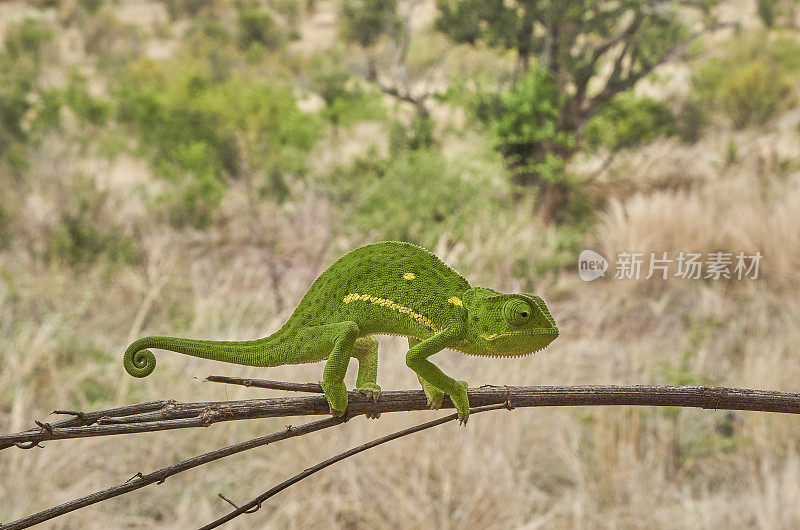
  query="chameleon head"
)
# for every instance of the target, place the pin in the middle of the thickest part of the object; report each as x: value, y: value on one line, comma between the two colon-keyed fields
x: 506, y: 325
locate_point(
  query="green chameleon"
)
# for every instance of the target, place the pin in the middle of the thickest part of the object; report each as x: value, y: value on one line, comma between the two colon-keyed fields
x: 389, y: 288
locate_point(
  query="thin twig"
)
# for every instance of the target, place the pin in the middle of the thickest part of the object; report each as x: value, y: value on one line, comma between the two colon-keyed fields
x: 156, y: 416
x: 139, y: 480
x: 255, y: 504
x: 314, y: 388
x: 89, y: 418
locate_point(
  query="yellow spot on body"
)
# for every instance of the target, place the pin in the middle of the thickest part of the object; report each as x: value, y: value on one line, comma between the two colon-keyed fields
x: 409, y: 276
x: 394, y: 306
x: 455, y: 301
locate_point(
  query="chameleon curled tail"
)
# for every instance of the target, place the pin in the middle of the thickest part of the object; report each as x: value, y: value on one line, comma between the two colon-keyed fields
x: 139, y: 361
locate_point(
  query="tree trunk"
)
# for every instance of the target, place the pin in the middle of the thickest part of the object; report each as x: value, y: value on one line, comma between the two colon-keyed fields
x: 552, y: 197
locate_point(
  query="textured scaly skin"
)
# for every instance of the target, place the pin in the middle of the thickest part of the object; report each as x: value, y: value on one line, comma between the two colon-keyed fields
x: 384, y: 288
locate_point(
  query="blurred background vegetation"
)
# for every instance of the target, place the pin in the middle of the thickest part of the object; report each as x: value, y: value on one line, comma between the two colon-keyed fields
x: 187, y: 167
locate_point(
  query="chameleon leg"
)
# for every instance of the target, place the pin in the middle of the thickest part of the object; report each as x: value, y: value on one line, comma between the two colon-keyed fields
x: 343, y: 335
x: 432, y: 394
x: 417, y: 360
x: 365, y: 351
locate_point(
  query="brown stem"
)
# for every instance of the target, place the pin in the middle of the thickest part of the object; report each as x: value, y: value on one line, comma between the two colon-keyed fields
x: 314, y: 388
x: 139, y: 480
x: 255, y: 504
x: 161, y: 415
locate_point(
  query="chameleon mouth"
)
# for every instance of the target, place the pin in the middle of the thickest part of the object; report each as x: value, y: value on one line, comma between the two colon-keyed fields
x: 553, y: 332
x: 550, y: 333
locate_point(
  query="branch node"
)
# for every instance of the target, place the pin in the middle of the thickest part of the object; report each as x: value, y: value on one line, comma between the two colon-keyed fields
x: 714, y: 396
x: 137, y: 475
x: 77, y: 413
x: 207, y: 418
x: 508, y: 404
x: 44, y: 426
x: 249, y: 510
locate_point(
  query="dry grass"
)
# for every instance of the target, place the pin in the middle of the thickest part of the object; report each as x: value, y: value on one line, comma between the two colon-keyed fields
x: 63, y: 334
x: 613, y: 467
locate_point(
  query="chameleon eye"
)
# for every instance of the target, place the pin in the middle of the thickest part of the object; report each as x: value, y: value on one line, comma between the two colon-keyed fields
x: 517, y: 312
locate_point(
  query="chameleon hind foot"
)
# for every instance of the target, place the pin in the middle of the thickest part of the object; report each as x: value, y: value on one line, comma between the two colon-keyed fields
x: 336, y: 393
x: 370, y: 391
x: 373, y: 392
x: 433, y: 395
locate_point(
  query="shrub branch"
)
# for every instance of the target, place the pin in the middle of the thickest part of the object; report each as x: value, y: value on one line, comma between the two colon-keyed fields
x: 168, y: 414
x: 255, y: 504
x: 139, y: 480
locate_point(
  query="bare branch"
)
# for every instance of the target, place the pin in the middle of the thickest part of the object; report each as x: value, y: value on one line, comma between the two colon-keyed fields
x: 255, y: 504
x: 154, y: 415
x: 399, y: 86
x: 614, y: 84
x: 139, y: 480
x: 394, y: 92
x: 163, y: 415
x: 89, y: 418
x: 679, y: 49
x: 314, y: 388
x: 625, y: 35
x: 426, y: 91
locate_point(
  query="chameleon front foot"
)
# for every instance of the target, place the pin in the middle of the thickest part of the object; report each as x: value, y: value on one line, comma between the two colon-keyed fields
x: 435, y: 397
x: 461, y: 401
x: 373, y: 392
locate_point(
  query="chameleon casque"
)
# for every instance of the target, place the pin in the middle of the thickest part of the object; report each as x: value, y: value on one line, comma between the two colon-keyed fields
x: 389, y: 288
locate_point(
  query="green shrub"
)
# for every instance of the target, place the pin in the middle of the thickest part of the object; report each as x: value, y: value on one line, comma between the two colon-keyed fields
x: 90, y: 6
x: 523, y: 118
x: 13, y: 106
x: 84, y: 105
x: 258, y: 27
x: 27, y: 39
x: 628, y: 120
x: 346, y: 100
x: 752, y: 82
x: 114, y: 42
x: 690, y: 120
x: 525, y: 121
x: 364, y: 21
x: 412, y: 196
x: 85, y: 232
x: 289, y: 9
x: 15, y: 159
x: 77, y: 98
x: 416, y: 135
x: 777, y: 12
x: 6, y: 218
x: 197, y: 132
x: 20, y: 64
x: 189, y: 8
x: 21, y: 61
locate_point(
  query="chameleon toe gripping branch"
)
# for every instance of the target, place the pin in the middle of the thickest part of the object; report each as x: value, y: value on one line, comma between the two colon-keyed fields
x: 389, y: 288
